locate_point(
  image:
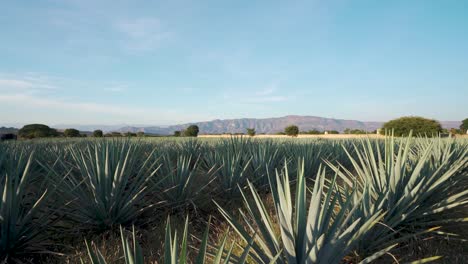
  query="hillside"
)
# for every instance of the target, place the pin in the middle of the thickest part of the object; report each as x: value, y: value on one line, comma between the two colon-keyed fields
x: 7, y: 130
x: 269, y: 125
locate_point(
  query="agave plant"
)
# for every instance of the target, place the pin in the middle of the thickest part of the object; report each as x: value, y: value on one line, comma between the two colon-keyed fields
x: 181, y: 182
x: 24, y: 213
x: 108, y: 183
x: 322, y: 232
x: 412, y: 184
x: 233, y: 166
x: 313, y: 152
x: 266, y: 157
x: 174, y: 252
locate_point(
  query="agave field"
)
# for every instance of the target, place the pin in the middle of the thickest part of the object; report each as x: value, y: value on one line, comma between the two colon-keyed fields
x: 232, y: 200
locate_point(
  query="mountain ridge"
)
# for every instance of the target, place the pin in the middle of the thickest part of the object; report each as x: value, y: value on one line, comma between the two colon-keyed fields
x: 269, y: 125
x: 239, y: 125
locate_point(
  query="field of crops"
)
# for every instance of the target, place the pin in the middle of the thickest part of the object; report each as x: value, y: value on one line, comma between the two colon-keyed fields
x: 233, y: 200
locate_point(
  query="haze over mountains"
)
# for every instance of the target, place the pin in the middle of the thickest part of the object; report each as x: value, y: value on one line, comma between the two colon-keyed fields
x: 261, y: 125
x: 270, y: 125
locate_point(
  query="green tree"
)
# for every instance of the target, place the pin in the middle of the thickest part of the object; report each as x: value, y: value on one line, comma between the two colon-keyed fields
x: 177, y: 134
x: 191, y: 131
x: 292, y: 130
x: 314, y: 132
x: 333, y: 132
x: 114, y: 134
x: 140, y: 134
x: 251, y: 132
x: 71, y: 132
x: 36, y: 131
x: 419, y: 125
x: 354, y: 131
x: 98, y: 133
x: 464, y: 125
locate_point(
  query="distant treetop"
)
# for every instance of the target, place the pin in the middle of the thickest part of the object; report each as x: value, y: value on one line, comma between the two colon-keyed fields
x: 191, y: 131
x: 419, y: 125
x: 37, y: 131
x: 292, y: 130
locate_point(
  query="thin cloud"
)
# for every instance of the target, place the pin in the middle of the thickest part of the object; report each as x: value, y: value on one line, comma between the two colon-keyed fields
x: 140, y: 28
x: 266, y: 95
x: 266, y: 99
x: 23, y: 84
x: 115, y: 89
x: 267, y: 91
x: 142, y: 34
x: 58, y: 108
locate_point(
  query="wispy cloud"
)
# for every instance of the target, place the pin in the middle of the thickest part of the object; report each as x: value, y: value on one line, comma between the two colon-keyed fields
x: 140, y: 28
x: 142, y: 34
x: 88, y: 112
x: 115, y: 89
x: 269, y: 94
x: 24, y: 84
x: 60, y: 104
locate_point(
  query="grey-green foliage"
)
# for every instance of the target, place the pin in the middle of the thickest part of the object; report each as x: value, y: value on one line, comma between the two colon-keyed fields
x: 107, y: 183
x: 409, y: 185
x: 266, y: 156
x: 320, y: 232
x: 232, y: 165
x: 180, y: 181
x: 413, y: 182
x: 24, y: 219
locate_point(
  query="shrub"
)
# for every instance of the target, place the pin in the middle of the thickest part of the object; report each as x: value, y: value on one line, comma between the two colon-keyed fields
x: 98, y: 133
x: 130, y: 134
x: 191, y: 131
x: 354, y: 131
x: 464, y: 125
x: 291, y: 131
x: 420, y: 126
x: 177, y: 134
x: 71, y: 132
x: 36, y: 131
x: 251, y: 132
x: 314, y: 132
x: 8, y: 136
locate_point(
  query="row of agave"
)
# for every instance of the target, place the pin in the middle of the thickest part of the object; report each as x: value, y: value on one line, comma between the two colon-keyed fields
x: 374, y: 194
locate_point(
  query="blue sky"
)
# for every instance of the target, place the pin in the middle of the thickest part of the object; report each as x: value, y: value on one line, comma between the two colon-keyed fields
x: 167, y: 62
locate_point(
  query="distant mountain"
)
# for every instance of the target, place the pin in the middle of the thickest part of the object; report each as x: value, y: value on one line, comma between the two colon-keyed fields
x: 89, y: 127
x: 269, y: 125
x: 8, y: 130
x: 261, y: 125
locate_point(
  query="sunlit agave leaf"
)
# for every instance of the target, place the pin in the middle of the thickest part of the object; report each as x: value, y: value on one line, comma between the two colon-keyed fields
x: 408, y: 182
x: 109, y: 183
x: 306, y: 236
x: 25, y: 214
x: 181, y: 181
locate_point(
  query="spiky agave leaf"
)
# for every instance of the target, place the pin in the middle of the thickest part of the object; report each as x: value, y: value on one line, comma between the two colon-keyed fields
x: 174, y: 252
x: 24, y: 213
x: 413, y: 182
x: 181, y: 181
x: 94, y: 254
x: 232, y: 166
x: 108, y: 184
x: 322, y: 232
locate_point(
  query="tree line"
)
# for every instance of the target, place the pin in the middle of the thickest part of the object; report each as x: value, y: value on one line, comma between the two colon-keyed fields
x: 402, y: 126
